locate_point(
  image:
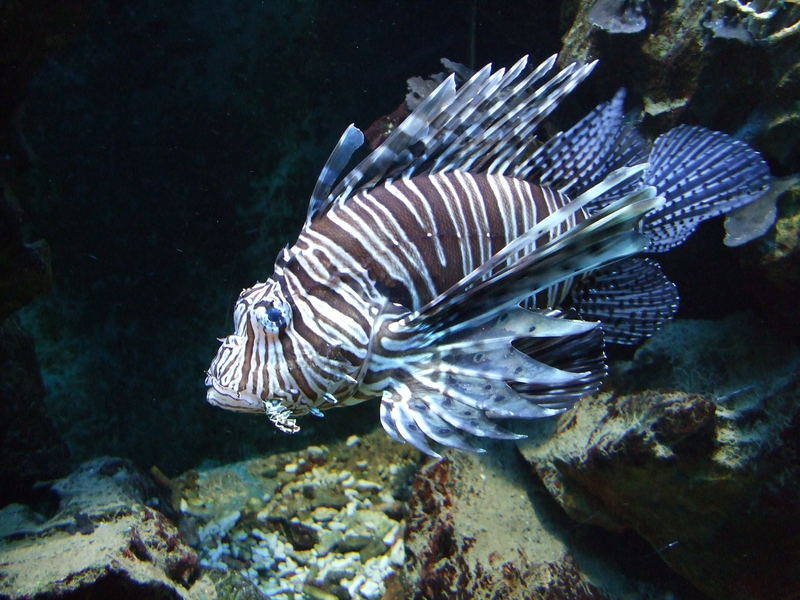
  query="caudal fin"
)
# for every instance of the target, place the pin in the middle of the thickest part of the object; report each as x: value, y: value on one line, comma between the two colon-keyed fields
x: 701, y: 174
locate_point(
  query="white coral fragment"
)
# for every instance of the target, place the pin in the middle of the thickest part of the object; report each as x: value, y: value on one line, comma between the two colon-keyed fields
x: 757, y: 21
x: 618, y: 16
x: 754, y: 220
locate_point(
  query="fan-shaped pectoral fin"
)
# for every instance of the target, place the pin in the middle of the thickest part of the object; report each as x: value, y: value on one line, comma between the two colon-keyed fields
x: 450, y: 388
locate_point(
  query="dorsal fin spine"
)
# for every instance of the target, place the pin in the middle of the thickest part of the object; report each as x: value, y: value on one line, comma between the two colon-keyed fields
x: 484, y: 124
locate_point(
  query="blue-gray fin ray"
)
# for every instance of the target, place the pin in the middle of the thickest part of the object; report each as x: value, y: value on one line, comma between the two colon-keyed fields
x: 351, y: 140
x: 631, y: 148
x: 701, y: 174
x: 632, y: 298
x: 396, y: 152
x: 568, y: 353
x: 496, y: 364
x: 399, y: 422
x: 504, y: 126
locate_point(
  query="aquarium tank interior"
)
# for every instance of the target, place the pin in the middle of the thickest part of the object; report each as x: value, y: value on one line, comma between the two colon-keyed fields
x: 400, y: 300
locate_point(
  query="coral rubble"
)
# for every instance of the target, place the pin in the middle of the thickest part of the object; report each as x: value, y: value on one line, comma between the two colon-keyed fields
x: 325, y: 522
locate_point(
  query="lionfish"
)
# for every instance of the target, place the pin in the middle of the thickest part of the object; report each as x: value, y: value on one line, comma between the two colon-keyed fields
x: 465, y: 272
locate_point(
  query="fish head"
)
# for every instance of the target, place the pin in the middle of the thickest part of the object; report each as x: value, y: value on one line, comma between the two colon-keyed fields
x: 250, y: 372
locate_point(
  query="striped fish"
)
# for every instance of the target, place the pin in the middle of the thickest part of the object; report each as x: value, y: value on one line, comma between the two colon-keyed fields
x: 433, y: 275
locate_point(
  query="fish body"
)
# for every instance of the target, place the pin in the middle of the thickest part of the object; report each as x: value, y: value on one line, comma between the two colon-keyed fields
x: 414, y: 238
x: 433, y: 273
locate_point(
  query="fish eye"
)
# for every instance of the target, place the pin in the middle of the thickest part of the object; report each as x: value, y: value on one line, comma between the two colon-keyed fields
x: 271, y: 316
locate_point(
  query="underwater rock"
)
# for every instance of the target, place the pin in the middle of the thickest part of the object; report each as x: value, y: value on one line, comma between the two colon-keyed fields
x: 31, y: 447
x: 663, y: 68
x: 619, y: 16
x: 681, y: 68
x: 481, y: 526
x: 472, y: 528
x: 772, y: 267
x: 715, y: 358
x: 759, y: 21
x: 680, y: 71
x: 786, y: 239
x: 673, y: 57
x: 709, y: 480
x: 100, y: 540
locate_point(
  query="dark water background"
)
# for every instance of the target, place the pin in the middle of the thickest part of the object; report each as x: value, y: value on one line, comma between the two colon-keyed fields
x: 167, y: 152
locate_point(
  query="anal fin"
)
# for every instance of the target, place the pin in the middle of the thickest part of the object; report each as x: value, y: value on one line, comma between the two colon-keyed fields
x: 632, y: 298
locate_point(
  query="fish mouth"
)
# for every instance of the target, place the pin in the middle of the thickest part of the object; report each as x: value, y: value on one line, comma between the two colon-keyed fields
x: 219, y: 395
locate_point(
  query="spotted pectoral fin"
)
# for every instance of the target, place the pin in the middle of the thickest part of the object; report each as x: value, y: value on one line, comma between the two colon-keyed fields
x: 451, y: 389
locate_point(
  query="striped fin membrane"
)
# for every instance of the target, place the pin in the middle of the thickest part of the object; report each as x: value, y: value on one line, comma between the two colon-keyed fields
x: 572, y: 161
x: 632, y: 297
x: 352, y: 139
